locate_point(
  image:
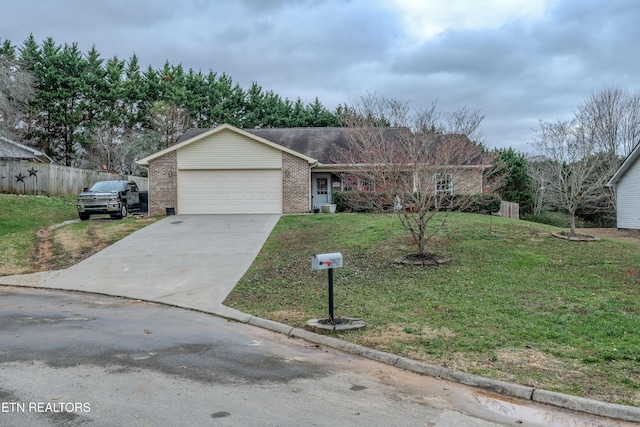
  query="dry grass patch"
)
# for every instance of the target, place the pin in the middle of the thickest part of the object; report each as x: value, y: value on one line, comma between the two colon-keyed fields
x: 11, y: 264
x: 61, y: 247
x: 288, y: 317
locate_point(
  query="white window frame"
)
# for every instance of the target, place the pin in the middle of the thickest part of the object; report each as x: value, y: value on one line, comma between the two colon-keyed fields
x: 443, y: 183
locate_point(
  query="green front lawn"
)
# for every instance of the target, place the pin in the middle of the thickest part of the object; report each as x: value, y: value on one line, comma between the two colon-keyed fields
x: 20, y: 218
x: 515, y: 303
x: 24, y: 250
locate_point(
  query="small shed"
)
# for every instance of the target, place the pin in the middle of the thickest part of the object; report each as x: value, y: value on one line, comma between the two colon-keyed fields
x: 626, y: 184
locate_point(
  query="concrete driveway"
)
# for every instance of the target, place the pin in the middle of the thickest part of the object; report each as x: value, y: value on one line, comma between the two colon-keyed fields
x: 191, y: 261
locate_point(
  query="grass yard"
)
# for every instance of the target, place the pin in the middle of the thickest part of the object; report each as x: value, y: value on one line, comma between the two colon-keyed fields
x: 29, y: 243
x: 20, y: 218
x: 515, y: 304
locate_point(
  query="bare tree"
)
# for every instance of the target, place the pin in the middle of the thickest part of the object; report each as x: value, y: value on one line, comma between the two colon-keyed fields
x: 630, y: 126
x: 102, y: 152
x: 16, y: 90
x: 539, y: 172
x: 111, y: 149
x: 404, y: 161
x: 611, y: 117
x: 577, y: 167
x: 170, y: 121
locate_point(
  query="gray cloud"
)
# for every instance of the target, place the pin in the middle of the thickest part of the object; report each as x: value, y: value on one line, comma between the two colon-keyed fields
x: 526, y: 69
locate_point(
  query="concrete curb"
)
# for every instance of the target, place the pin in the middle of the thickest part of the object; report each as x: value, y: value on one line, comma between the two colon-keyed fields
x: 611, y: 410
x: 589, y: 406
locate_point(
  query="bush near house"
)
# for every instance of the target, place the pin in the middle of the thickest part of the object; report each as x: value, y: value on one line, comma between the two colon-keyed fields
x: 485, y: 203
x: 557, y: 219
x: 358, y: 202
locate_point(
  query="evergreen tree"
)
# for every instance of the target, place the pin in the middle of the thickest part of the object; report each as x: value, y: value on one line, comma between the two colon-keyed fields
x: 508, y: 177
x: 71, y: 102
x: 133, y: 96
x: 84, y: 104
x: 196, y: 100
x: 8, y: 51
x: 299, y: 114
x: 95, y: 89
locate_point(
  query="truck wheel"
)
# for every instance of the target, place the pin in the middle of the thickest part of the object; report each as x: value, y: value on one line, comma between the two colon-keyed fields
x: 84, y: 216
x: 123, y: 210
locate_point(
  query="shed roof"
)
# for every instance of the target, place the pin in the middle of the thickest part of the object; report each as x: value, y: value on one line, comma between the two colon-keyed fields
x: 11, y: 150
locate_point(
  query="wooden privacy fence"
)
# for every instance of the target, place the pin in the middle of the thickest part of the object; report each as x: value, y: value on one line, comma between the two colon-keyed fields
x: 18, y: 177
x: 509, y: 210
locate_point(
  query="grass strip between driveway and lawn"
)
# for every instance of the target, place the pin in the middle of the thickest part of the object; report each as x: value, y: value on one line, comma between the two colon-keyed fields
x: 29, y: 242
x: 514, y: 304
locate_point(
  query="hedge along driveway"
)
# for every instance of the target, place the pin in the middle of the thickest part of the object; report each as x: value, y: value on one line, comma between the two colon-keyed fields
x: 516, y: 304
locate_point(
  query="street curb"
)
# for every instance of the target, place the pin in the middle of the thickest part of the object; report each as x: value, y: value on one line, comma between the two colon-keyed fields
x: 588, y: 406
x: 611, y: 410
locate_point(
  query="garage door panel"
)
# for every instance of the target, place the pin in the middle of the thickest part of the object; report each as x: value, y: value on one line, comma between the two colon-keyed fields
x: 229, y: 191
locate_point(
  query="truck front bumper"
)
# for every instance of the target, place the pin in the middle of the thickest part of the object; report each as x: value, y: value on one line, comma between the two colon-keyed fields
x: 103, y: 208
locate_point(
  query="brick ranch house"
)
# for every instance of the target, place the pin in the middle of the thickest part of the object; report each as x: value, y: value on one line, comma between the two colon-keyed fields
x: 228, y: 170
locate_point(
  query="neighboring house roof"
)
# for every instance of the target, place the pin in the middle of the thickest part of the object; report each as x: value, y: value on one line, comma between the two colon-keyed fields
x: 11, y: 150
x: 194, y: 135
x: 626, y: 165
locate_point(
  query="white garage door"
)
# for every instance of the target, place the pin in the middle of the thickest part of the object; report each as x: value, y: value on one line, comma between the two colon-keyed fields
x: 229, y: 191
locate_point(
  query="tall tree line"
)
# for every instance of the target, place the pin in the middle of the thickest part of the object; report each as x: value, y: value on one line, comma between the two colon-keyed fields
x: 88, y: 111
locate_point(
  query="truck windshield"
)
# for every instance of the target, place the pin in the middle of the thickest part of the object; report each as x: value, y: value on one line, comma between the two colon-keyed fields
x: 107, y: 186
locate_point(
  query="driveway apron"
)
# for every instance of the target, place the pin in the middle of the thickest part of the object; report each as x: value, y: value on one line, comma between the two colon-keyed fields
x: 191, y: 261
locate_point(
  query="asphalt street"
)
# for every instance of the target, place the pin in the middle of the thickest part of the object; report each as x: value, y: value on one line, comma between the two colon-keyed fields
x: 69, y: 359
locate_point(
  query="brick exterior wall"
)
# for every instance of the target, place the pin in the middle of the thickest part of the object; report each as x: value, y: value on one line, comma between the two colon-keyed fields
x: 163, y: 184
x: 296, y: 189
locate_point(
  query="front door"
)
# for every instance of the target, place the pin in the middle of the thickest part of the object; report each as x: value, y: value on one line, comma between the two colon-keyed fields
x: 321, y: 187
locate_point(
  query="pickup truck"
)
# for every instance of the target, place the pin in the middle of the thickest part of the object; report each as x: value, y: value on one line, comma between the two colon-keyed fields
x: 116, y: 198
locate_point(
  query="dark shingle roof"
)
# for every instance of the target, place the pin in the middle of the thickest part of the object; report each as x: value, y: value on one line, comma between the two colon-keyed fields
x: 191, y: 133
x: 320, y: 143
x: 324, y: 143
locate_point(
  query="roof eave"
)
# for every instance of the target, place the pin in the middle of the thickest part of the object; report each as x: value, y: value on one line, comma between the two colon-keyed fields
x: 145, y: 161
x: 625, y: 166
x: 351, y: 166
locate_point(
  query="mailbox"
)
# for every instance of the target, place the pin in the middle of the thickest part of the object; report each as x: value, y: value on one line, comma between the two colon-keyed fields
x: 326, y: 261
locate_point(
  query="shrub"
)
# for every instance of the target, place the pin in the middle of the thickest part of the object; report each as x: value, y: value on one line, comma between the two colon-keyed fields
x: 486, y: 203
x: 356, y: 201
x: 341, y: 200
x: 557, y: 219
x: 361, y: 201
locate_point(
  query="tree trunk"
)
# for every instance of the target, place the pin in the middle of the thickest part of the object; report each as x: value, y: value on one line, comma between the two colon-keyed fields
x: 572, y: 222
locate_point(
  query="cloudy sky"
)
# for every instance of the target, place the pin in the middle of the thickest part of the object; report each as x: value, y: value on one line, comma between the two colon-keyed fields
x: 517, y: 60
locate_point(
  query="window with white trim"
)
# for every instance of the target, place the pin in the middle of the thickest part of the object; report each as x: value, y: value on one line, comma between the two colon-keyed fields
x: 443, y: 183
